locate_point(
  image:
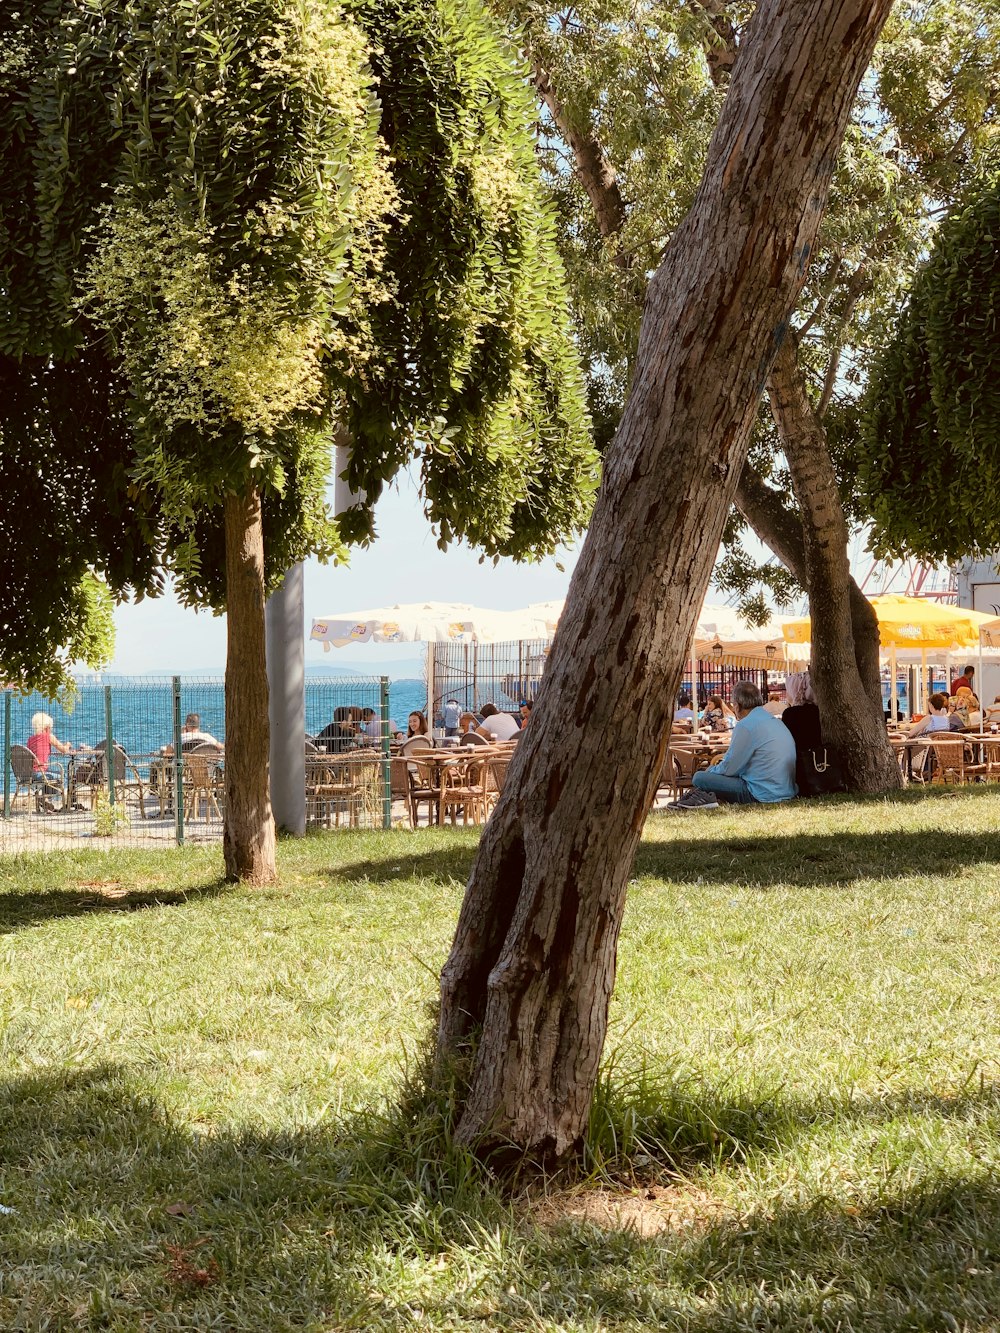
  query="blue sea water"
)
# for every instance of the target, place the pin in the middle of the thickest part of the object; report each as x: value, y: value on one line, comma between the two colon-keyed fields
x: 142, y: 709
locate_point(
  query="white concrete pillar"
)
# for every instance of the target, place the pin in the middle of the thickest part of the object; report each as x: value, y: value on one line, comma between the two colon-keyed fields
x: 286, y: 663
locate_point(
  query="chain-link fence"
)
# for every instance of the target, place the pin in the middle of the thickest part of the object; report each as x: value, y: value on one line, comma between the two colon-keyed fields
x: 347, y: 753
x: 165, y: 780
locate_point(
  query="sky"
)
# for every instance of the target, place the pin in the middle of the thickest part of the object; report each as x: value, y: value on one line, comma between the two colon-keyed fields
x: 403, y: 565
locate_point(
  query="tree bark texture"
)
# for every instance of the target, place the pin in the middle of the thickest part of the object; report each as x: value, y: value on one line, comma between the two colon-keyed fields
x: 780, y: 527
x: 847, y: 690
x: 526, y: 988
x: 248, y: 837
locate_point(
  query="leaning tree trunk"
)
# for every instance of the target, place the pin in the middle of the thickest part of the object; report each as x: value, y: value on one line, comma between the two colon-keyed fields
x: 525, y: 990
x: 248, y: 839
x: 850, y: 704
x: 777, y: 526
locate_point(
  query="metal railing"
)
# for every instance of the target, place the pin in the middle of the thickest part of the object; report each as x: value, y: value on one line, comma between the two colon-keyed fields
x: 478, y: 673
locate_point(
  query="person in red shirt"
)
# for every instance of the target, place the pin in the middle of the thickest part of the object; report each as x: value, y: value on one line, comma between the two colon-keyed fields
x: 41, y: 743
x: 964, y: 681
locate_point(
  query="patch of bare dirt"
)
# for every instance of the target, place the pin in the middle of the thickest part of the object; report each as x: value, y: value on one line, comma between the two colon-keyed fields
x: 645, y: 1210
x: 104, y: 888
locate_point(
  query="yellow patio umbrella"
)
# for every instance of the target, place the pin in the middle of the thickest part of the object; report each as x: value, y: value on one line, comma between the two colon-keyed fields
x: 911, y: 622
x: 915, y: 624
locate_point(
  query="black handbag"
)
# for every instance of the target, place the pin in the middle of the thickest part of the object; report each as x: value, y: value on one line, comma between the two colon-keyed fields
x: 818, y: 771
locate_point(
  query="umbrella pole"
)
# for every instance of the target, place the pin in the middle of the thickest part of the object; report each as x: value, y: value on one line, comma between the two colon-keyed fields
x: 924, y: 691
x: 430, y: 686
x: 894, y: 697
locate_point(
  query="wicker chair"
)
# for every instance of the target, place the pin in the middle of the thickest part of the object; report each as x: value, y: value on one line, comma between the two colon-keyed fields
x: 338, y: 785
x: 201, y: 781
x: 463, y: 787
x: 28, y: 780
x: 399, y: 785
x: 949, y: 755
x: 496, y: 776
x: 474, y: 738
x: 680, y: 767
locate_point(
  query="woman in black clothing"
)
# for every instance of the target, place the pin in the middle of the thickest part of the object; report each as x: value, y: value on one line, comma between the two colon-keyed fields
x: 801, y: 717
x: 816, y: 768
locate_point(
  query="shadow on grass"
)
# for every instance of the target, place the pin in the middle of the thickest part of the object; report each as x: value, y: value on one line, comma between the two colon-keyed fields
x: 815, y: 860
x: 756, y: 857
x: 442, y: 865
x: 31, y: 907
x: 123, y: 1213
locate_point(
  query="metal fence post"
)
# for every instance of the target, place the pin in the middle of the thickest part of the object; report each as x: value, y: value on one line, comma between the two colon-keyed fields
x: 6, y: 754
x: 109, y: 743
x: 178, y: 765
x: 386, y: 759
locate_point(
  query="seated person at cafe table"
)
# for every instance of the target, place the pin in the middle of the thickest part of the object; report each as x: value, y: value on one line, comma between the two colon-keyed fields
x: 938, y: 718
x: 684, y: 712
x: 966, y: 706
x: 41, y: 743
x: 341, y: 734
x: 758, y: 767
x: 192, y: 736
x: 718, y: 716
x: 496, y: 725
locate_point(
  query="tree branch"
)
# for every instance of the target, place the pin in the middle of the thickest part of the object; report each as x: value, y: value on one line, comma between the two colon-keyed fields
x: 721, y: 53
x: 858, y: 284
x: 593, y: 167
x: 777, y: 525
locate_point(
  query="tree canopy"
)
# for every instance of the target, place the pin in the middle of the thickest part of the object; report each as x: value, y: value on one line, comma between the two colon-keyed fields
x: 629, y: 95
x: 931, y: 463
x: 229, y: 231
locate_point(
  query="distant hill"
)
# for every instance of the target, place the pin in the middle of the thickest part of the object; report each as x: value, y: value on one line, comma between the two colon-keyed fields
x: 409, y: 668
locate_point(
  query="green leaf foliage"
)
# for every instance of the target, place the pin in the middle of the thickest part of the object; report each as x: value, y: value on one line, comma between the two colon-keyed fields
x: 635, y: 79
x: 931, y: 463
x: 245, y: 226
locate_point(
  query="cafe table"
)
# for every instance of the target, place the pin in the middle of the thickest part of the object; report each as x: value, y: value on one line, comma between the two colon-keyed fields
x: 438, y: 759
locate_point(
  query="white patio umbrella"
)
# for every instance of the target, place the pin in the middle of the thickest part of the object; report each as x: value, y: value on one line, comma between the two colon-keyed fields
x: 429, y: 622
x: 410, y: 622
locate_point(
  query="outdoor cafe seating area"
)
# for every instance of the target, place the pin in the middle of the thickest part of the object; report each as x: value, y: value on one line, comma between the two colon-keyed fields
x: 431, y: 781
x: 138, y: 786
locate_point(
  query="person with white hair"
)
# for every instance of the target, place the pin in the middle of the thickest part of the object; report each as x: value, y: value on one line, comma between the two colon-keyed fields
x: 758, y: 767
x: 801, y: 717
x: 41, y: 743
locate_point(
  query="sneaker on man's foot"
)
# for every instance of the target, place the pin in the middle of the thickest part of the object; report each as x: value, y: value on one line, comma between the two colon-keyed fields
x: 693, y: 799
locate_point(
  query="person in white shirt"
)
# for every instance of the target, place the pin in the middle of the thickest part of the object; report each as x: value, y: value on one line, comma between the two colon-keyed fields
x: 937, y: 718
x: 497, y: 725
x: 452, y: 717
x: 371, y: 724
x: 775, y: 705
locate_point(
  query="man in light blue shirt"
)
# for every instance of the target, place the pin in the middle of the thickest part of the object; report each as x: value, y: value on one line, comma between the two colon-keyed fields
x: 684, y: 712
x: 758, y: 767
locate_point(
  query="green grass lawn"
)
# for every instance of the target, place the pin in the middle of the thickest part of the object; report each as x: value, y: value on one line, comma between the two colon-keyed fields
x: 200, y: 1123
